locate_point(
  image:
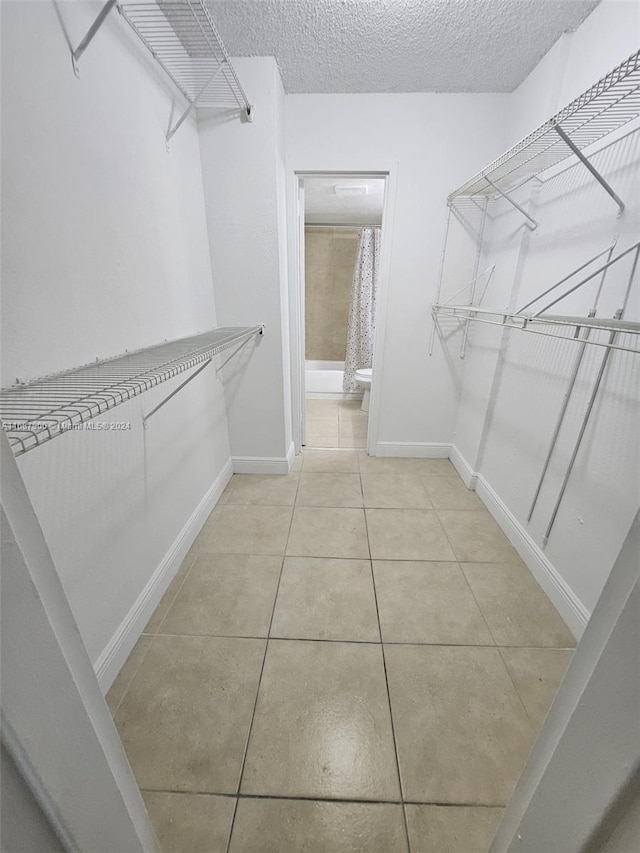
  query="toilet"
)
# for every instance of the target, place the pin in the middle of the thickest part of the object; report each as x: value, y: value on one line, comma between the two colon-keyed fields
x: 363, y: 378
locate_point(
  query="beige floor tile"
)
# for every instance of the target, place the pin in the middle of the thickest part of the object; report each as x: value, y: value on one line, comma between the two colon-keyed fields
x: 328, y: 532
x: 296, y: 466
x: 321, y: 408
x: 451, y: 493
x: 324, y: 599
x: 261, y: 489
x: 461, y: 730
x: 475, y: 537
x: 354, y: 416
x: 350, y: 442
x: 190, y: 823
x: 427, y: 603
x: 228, y: 595
x: 185, y: 718
x: 311, y: 826
x: 407, y: 534
x: 395, y: 491
x: 451, y: 829
x: 356, y: 436
x: 328, y: 416
x: 537, y: 674
x: 330, y: 462
x: 322, y: 726
x: 124, y: 678
x: 329, y: 490
x: 249, y: 530
x: 168, y: 598
x: 321, y: 434
x: 516, y: 609
x: 386, y: 465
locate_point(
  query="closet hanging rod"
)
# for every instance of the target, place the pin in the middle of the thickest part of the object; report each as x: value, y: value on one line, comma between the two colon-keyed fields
x: 36, y: 412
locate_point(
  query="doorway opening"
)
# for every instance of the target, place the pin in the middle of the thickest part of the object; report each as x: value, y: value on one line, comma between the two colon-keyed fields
x: 340, y: 242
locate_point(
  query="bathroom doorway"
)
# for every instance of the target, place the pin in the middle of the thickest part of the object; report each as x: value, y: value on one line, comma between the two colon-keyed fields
x: 340, y: 245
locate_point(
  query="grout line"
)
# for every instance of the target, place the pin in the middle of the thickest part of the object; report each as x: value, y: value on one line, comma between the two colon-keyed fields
x: 152, y: 634
x: 320, y: 799
x: 386, y: 681
x: 360, y: 642
x: 264, y: 659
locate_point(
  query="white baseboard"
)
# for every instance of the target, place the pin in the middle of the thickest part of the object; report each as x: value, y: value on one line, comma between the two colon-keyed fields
x: 291, y: 455
x: 263, y: 464
x: 566, y: 602
x: 118, y: 649
x: 467, y: 474
x: 419, y: 450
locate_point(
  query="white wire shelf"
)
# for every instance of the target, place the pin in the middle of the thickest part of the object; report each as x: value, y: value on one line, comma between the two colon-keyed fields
x: 183, y: 39
x: 609, y: 104
x: 36, y: 412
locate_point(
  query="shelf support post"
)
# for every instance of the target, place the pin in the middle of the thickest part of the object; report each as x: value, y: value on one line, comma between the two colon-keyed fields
x: 569, y: 142
x: 93, y: 29
x: 531, y: 222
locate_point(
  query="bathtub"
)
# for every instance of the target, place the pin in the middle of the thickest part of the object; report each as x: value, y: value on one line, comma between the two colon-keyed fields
x: 325, y: 377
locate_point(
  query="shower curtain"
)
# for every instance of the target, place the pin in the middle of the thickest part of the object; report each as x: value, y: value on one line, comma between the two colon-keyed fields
x: 362, y: 314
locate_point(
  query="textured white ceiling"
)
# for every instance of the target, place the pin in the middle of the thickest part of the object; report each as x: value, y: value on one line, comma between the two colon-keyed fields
x: 398, y: 45
x: 323, y: 204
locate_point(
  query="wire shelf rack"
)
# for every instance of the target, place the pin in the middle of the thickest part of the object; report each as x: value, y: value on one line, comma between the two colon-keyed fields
x: 184, y: 40
x: 36, y: 412
x: 609, y: 104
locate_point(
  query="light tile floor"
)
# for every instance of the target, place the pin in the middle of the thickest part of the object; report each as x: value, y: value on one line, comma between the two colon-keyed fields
x: 336, y: 423
x: 352, y: 658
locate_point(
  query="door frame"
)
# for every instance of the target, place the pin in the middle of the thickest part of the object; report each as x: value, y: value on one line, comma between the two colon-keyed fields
x: 297, y: 294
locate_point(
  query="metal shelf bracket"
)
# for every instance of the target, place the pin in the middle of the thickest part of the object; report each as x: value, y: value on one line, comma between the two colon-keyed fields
x: 569, y: 142
x: 530, y: 221
x: 90, y: 34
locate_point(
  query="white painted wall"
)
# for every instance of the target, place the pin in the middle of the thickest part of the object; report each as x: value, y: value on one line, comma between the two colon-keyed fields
x: 105, y: 249
x: 242, y: 167
x: 514, y: 383
x: 429, y: 144
x: 56, y: 725
x: 577, y: 790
